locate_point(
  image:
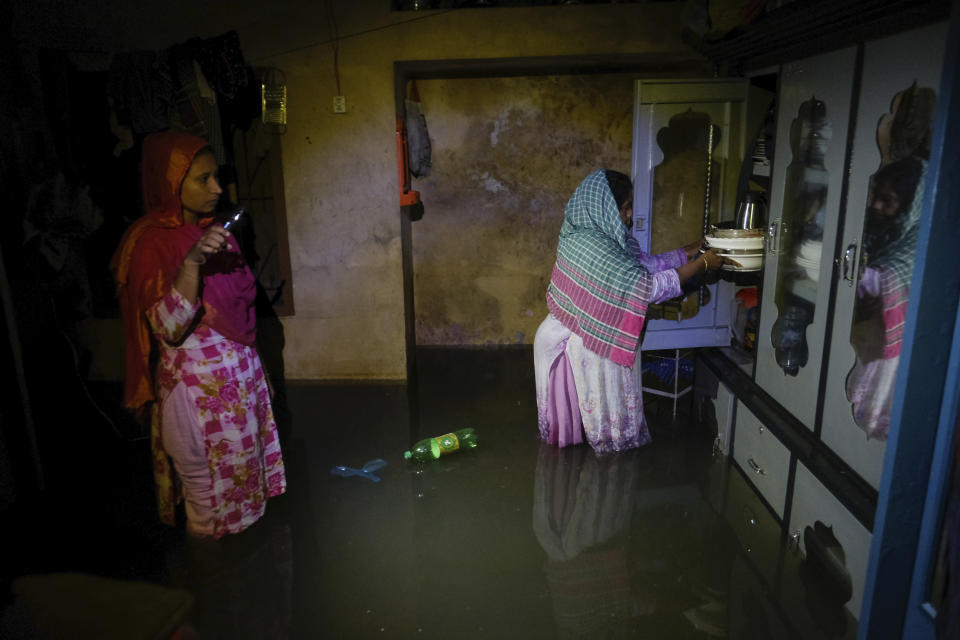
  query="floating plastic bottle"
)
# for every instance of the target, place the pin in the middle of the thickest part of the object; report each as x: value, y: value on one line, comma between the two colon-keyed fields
x: 432, y: 448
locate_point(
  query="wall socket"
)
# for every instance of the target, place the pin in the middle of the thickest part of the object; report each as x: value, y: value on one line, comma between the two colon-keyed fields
x: 339, y: 104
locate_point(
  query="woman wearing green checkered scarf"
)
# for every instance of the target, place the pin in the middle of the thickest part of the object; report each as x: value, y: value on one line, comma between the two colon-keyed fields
x: 586, y: 352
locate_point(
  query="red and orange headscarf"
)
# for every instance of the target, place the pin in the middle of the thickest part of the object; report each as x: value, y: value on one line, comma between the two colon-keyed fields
x: 151, y: 252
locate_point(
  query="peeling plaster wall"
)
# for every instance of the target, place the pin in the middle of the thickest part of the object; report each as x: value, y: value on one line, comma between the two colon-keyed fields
x: 507, y: 154
x: 340, y: 170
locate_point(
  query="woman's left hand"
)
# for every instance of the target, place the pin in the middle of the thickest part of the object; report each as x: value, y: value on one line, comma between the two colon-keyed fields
x: 713, y: 260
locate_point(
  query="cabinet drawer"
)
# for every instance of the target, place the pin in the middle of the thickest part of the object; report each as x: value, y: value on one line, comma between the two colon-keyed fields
x: 763, y: 458
x: 834, y: 545
x: 755, y: 527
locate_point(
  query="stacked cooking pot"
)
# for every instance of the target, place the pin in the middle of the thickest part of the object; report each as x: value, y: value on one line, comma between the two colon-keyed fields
x: 741, y: 243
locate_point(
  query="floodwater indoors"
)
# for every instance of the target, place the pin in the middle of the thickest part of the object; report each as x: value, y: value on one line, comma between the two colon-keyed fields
x: 511, y: 540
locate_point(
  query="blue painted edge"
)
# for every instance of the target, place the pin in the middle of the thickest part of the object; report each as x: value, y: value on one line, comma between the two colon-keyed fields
x: 920, y: 614
x: 922, y: 373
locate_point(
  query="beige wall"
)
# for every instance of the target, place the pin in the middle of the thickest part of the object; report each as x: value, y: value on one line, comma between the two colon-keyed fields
x: 340, y: 170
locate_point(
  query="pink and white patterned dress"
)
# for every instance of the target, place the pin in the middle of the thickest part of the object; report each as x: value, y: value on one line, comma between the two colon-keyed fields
x: 213, y: 417
x: 581, y: 393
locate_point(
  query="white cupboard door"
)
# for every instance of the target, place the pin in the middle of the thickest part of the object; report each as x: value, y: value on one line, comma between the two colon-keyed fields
x: 813, y: 114
x: 895, y: 111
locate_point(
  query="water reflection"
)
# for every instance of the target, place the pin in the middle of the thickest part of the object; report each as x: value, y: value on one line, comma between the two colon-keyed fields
x: 581, y: 514
x: 243, y: 584
x: 624, y: 556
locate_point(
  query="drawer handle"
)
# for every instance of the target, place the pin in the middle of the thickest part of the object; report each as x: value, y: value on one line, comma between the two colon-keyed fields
x: 756, y: 468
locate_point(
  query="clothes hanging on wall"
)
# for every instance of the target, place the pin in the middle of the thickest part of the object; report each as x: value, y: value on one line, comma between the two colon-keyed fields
x: 141, y: 87
x: 222, y: 62
x: 195, y: 102
x: 418, y: 140
x: 203, y: 86
x: 220, y: 91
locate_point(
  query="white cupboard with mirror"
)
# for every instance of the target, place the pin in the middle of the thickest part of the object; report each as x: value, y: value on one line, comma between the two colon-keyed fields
x: 852, y: 142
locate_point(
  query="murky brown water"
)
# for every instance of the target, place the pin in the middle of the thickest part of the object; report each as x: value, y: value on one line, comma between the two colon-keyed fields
x: 511, y: 540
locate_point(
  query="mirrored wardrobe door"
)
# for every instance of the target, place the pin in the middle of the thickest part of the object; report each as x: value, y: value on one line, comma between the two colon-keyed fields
x: 890, y: 152
x: 813, y: 113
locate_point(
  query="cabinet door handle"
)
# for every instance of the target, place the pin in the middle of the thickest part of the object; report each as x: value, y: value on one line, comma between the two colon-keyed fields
x: 794, y: 541
x: 756, y: 468
x: 849, y: 259
x: 772, y: 237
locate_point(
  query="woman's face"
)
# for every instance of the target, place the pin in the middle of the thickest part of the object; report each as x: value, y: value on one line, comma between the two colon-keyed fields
x: 626, y: 213
x: 200, y: 190
x: 886, y: 203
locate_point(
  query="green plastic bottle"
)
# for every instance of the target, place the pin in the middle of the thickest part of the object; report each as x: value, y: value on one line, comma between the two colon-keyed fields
x: 432, y: 448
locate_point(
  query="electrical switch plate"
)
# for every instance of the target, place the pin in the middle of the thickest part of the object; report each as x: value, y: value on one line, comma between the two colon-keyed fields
x: 339, y: 104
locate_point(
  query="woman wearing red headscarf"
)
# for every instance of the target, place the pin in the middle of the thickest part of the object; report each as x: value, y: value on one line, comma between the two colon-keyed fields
x: 187, y: 299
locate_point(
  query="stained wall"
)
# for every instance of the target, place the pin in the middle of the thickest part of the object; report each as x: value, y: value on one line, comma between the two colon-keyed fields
x: 340, y: 169
x: 507, y: 154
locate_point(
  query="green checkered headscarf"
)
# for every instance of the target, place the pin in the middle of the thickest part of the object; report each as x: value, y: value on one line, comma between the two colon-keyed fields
x: 598, y: 290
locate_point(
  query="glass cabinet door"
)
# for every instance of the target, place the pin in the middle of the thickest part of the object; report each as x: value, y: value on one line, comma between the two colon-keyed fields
x: 688, y: 145
x: 891, y: 148
x: 813, y: 113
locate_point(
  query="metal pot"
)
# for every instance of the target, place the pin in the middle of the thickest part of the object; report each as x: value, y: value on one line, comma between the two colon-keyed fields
x: 751, y: 212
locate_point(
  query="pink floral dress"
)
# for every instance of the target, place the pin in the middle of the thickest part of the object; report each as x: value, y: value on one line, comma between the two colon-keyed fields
x: 223, y: 382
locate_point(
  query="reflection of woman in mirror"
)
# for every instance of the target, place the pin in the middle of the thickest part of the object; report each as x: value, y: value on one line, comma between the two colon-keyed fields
x: 894, y: 205
x: 889, y: 244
